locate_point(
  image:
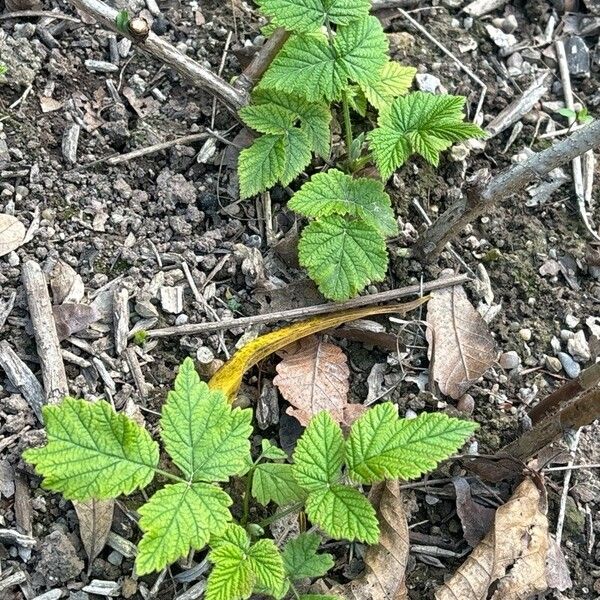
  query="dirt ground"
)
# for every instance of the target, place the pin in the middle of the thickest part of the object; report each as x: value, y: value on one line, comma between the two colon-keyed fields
x: 135, y: 224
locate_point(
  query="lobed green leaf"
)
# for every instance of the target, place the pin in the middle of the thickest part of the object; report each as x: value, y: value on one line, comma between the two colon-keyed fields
x: 93, y: 452
x: 274, y: 482
x: 301, y: 560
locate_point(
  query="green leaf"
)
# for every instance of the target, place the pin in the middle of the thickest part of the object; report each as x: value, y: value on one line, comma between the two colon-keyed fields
x: 268, y: 118
x: 419, y: 123
x: 318, y: 597
x: 357, y: 100
x: 272, y: 452
x: 394, y: 80
x: 267, y: 565
x: 93, y: 452
x: 381, y: 446
x: 343, y: 513
x: 567, y: 112
x: 296, y: 147
x: 273, y: 482
x: 260, y: 166
x: 308, y: 66
x: 301, y: 560
x: 206, y: 438
x: 231, y: 577
x: 315, y: 117
x: 122, y: 21
x: 362, y: 48
x: 178, y: 518
x: 303, y: 16
x: 342, y: 256
x: 319, y: 453
x: 336, y: 193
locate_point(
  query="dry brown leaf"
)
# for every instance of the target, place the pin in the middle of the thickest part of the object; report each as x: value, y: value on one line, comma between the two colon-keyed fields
x: 384, y: 578
x: 314, y: 376
x: 71, y: 318
x: 12, y: 234
x: 476, y: 519
x: 461, y: 348
x: 95, y: 520
x: 511, y: 559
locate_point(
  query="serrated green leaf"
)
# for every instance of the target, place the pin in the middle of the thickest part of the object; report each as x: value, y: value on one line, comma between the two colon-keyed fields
x: 231, y: 577
x: 308, y: 66
x: 394, y: 80
x: 343, y: 513
x: 362, y: 49
x: 381, y: 446
x: 267, y: 118
x: 176, y: 519
x: 296, y: 146
x: 267, y: 565
x: 207, y: 439
x: 303, y: 16
x: 272, y: 452
x: 319, y: 453
x: 274, y: 482
x: 260, y: 166
x: 233, y: 534
x: 342, y: 256
x: 419, y: 123
x: 315, y: 117
x: 301, y: 560
x: 93, y: 452
x: 357, y: 100
x: 335, y: 192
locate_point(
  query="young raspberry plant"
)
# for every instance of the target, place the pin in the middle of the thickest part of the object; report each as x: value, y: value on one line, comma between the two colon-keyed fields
x: 92, y: 452
x: 336, y: 60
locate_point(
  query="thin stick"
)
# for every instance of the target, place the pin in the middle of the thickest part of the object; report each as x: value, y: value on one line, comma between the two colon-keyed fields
x: 309, y: 311
x: 158, y: 47
x: 565, y: 491
x: 17, y: 14
x: 481, y: 195
x: 586, y: 380
x: 447, y: 52
x: 219, y: 72
x: 56, y: 385
x: 582, y: 411
x: 563, y: 67
x: 261, y: 61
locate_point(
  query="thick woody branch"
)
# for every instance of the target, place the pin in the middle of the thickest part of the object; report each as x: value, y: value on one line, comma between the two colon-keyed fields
x: 154, y: 45
x: 481, y: 196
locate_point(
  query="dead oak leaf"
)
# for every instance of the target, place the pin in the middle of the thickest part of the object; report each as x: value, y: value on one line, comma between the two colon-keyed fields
x: 461, y: 348
x: 510, y: 562
x: 314, y: 376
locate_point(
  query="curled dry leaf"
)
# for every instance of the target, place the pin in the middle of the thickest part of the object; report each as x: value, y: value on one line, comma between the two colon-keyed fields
x: 314, y: 376
x: 510, y: 562
x: 71, y: 318
x: 476, y: 519
x: 461, y: 348
x: 12, y: 234
x: 384, y: 578
x: 95, y: 520
x: 229, y: 377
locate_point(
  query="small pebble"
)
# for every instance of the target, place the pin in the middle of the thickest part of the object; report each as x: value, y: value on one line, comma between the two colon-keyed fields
x: 181, y: 319
x: 466, y: 404
x: 510, y: 360
x: 572, y: 369
x: 578, y: 347
x: 553, y: 364
x: 100, y: 66
x: 572, y: 321
x: 115, y: 558
x: 525, y: 334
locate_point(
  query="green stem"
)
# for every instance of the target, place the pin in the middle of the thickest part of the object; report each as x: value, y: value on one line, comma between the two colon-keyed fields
x: 171, y: 476
x: 347, y: 121
x: 294, y: 590
x: 247, y: 493
x: 280, y: 514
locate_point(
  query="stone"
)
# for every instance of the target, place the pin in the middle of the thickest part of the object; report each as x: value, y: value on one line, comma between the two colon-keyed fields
x: 501, y: 39
x: 100, y: 66
x: 174, y: 189
x: 58, y: 562
x: 578, y: 347
x: 428, y: 83
x: 466, y: 404
x: 525, y: 334
x: 578, y: 56
x: 510, y: 360
x: 572, y: 369
x: 553, y: 364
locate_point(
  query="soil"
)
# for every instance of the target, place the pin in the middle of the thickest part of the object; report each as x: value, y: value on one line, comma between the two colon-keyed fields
x: 136, y: 223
